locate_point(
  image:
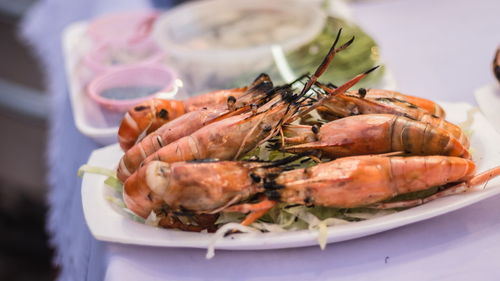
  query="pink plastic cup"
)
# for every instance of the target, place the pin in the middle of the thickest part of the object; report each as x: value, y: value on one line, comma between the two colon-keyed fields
x: 121, y: 89
x: 124, y: 27
x: 107, y: 57
x: 120, y: 39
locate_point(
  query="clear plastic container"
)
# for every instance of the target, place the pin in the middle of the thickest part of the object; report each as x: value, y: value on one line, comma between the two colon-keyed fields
x: 112, y: 56
x: 223, y: 43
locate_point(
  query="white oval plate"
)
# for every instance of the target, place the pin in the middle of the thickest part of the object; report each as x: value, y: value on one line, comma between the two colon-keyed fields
x: 107, y: 224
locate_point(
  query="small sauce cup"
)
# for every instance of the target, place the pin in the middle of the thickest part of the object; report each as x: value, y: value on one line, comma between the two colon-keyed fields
x: 122, y: 88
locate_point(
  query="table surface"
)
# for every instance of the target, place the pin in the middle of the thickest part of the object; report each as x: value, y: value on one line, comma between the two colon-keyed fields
x: 440, y: 49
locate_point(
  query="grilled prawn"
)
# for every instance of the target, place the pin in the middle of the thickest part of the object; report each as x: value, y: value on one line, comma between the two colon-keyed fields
x: 211, y: 187
x: 202, y: 187
x: 150, y: 115
x: 344, y: 105
x: 373, y: 134
x: 229, y: 138
x: 190, y: 122
x: 387, y: 96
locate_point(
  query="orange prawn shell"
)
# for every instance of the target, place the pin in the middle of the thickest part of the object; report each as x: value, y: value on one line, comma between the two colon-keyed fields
x: 169, y: 132
x: 199, y: 187
x: 363, y: 180
x: 366, y: 106
x: 213, y: 98
x: 137, y: 195
x: 145, y: 118
x: 380, y: 133
x: 425, y: 104
x: 225, y: 139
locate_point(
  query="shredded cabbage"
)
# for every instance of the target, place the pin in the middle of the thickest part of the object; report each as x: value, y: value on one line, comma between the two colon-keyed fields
x: 152, y: 219
x: 467, y: 123
x: 96, y: 170
x: 222, y: 231
x: 111, y: 179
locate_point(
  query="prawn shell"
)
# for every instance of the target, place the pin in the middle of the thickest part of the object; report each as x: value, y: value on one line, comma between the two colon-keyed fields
x: 365, y: 106
x: 166, y: 134
x: 213, y: 98
x: 195, y: 186
x: 425, y: 104
x: 138, y: 195
x: 363, y: 180
x: 381, y: 133
x: 226, y: 139
x: 145, y: 118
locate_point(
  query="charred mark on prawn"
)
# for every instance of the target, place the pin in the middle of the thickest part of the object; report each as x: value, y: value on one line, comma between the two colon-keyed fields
x: 270, y: 184
x: 287, y: 95
x: 305, y: 160
x: 331, y: 85
x: 273, y: 195
x: 163, y: 114
x: 393, y: 100
x: 362, y: 92
x: 255, y: 178
x: 206, y: 160
x: 159, y: 141
x: 254, y: 108
x: 140, y: 108
x: 308, y: 200
x: 315, y: 129
x: 184, y: 213
x: 231, y: 100
x: 273, y: 145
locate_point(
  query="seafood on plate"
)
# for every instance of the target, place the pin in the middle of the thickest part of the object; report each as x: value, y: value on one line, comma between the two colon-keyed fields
x: 150, y: 115
x: 350, y: 182
x: 249, y: 150
x: 336, y: 105
x: 373, y: 134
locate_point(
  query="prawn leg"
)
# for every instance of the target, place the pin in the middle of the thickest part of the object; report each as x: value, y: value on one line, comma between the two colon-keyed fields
x: 256, y: 210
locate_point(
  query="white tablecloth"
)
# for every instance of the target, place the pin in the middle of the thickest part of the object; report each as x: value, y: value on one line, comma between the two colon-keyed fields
x: 440, y: 49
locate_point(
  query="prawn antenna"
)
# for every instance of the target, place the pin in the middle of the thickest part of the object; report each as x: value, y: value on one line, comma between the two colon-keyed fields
x: 326, y: 62
x: 333, y: 92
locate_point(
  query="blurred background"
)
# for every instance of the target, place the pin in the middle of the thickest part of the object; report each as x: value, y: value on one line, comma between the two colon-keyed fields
x: 23, y: 119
